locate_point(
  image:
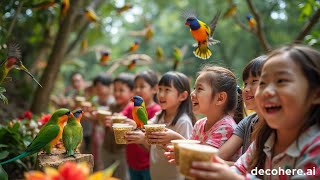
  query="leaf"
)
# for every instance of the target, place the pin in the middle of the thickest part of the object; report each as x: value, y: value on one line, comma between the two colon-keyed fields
x: 3, y: 145
x: 306, y: 11
x: 3, y: 154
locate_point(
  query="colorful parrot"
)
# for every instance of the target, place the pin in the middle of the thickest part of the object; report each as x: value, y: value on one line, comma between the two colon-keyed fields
x: 159, y: 53
x: 230, y: 11
x: 45, y: 4
x: 124, y: 8
x: 202, y: 34
x: 48, y: 136
x: 105, y: 56
x: 13, y: 61
x: 84, y: 46
x: 139, y: 112
x: 178, y: 55
x: 134, y: 46
x: 73, y: 133
x: 91, y: 15
x: 251, y: 22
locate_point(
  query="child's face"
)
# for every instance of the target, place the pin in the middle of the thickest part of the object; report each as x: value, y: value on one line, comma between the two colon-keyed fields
x: 168, y: 97
x: 143, y: 89
x: 282, y: 96
x: 201, y: 96
x: 101, y: 90
x: 122, y: 93
x: 249, y: 90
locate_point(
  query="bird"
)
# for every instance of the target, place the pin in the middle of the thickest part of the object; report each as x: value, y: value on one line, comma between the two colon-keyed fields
x: 12, y: 61
x: 159, y: 53
x: 65, y: 4
x: 124, y: 8
x: 230, y: 11
x: 202, y: 33
x: 45, y: 4
x: 91, y: 15
x: 251, y: 22
x: 105, y: 57
x: 139, y: 112
x: 132, y: 64
x: 73, y: 133
x: 134, y: 46
x: 48, y: 135
x: 149, y: 32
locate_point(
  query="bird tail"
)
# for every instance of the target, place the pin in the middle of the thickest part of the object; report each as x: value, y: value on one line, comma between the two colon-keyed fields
x: 202, y: 51
x: 70, y: 152
x: 24, y: 154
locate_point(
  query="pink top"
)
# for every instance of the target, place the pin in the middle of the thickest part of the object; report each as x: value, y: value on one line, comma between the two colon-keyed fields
x: 217, y: 135
x: 138, y: 156
x: 301, y: 160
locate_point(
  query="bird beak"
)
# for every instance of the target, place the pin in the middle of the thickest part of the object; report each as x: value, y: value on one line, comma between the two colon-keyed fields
x: 132, y: 99
x: 21, y: 67
x: 187, y: 24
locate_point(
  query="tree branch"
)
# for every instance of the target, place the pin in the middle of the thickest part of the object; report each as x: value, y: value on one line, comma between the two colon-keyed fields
x: 242, y: 25
x: 259, y: 33
x: 308, y: 26
x: 15, y: 18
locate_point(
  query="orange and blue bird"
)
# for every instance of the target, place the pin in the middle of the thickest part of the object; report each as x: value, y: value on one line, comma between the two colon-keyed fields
x: 134, y: 46
x: 139, y: 112
x: 132, y: 64
x: 105, y: 56
x: 230, y: 11
x: 202, y: 33
x: 251, y: 22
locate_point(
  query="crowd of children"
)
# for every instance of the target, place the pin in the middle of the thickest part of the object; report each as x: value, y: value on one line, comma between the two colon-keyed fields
x: 281, y: 94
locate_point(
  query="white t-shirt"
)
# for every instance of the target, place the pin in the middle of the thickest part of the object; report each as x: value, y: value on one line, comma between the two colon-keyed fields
x: 160, y: 169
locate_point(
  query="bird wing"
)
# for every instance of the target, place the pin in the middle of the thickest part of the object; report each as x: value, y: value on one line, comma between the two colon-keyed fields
x: 45, y: 136
x: 142, y: 115
x: 72, y: 136
x: 214, y: 22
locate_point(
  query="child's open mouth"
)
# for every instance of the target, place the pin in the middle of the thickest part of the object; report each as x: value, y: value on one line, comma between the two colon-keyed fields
x: 249, y: 97
x: 272, y: 108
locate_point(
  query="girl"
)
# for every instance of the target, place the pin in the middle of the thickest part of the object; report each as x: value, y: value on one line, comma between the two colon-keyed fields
x: 175, y: 102
x: 242, y: 134
x: 145, y: 85
x: 288, y: 142
x: 215, y: 96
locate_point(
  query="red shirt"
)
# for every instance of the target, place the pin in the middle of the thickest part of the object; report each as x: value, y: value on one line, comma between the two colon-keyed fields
x: 137, y: 156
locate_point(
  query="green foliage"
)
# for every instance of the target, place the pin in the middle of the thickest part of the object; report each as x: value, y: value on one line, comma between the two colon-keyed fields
x: 2, y: 96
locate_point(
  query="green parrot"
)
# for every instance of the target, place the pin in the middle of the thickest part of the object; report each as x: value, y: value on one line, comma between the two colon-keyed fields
x: 13, y: 61
x: 48, y: 136
x: 139, y: 112
x: 73, y: 133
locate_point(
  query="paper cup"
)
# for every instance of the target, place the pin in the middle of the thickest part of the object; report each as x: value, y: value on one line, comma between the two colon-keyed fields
x: 79, y: 100
x: 101, y: 115
x: 118, y: 119
x: 120, y: 132
x: 154, y: 128
x: 194, y: 152
x: 176, y: 147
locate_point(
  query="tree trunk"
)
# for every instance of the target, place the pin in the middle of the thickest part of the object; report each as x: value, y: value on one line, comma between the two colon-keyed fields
x: 42, y: 95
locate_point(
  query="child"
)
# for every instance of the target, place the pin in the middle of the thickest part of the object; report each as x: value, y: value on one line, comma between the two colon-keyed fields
x: 175, y: 102
x: 103, y: 89
x: 215, y: 96
x: 145, y: 85
x: 123, y: 91
x: 243, y: 133
x: 288, y: 97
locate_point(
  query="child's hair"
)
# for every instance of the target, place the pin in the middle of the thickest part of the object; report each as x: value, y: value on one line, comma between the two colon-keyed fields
x: 223, y: 80
x: 308, y: 60
x: 151, y: 78
x: 254, y: 67
x: 125, y: 78
x: 181, y: 83
x: 105, y: 80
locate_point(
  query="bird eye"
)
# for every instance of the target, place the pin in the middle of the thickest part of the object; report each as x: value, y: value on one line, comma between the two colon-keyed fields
x: 67, y: 113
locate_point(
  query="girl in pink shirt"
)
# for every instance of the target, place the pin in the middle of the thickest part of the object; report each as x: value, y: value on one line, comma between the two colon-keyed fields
x: 215, y: 95
x: 287, y: 145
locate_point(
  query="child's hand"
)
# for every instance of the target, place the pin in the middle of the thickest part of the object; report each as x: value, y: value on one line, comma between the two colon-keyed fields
x: 217, y: 169
x: 135, y: 137
x: 162, y: 137
x: 130, y: 122
x: 108, y: 121
x: 170, y: 154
